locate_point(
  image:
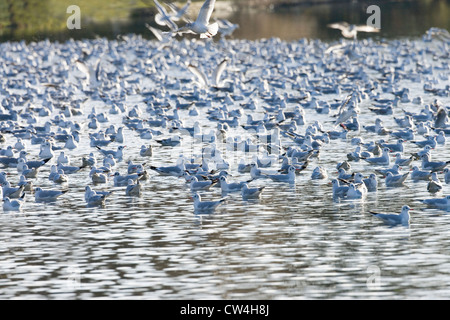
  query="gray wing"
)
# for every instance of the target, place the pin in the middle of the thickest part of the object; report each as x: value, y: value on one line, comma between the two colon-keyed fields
x: 203, y: 80
x: 97, y: 69
x: 364, y: 28
x: 83, y: 68
x: 163, y: 17
x: 206, y: 12
x: 156, y: 32
x: 339, y: 25
x: 218, y: 71
x: 179, y: 13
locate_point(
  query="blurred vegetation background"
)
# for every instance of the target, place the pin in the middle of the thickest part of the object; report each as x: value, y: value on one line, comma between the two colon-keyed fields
x: 34, y: 20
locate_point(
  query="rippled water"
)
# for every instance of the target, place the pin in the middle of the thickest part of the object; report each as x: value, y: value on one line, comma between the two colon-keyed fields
x: 295, y: 242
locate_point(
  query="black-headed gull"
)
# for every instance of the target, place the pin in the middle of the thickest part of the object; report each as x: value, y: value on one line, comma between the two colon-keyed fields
x: 99, y: 177
x: 93, y: 197
x: 288, y: 177
x: 92, y: 73
x: 122, y: 180
x: 395, y: 219
x: 447, y: 175
x: 319, y: 173
x: 60, y: 177
x: 396, y: 180
x: 117, y: 154
x: 163, y: 18
x: 230, y: 186
x: 12, y: 192
x: 176, y: 170
x: 417, y: 174
x: 395, y: 170
x: 215, y: 81
x: 205, y: 206
x: 133, y: 188
x: 351, y: 30
x: 146, y: 151
x: 201, y: 25
x: 68, y: 169
x: 226, y: 28
x: 434, y: 185
x: 384, y: 159
x: 432, y: 165
x: 46, y: 150
x: 441, y: 203
x: 404, y: 162
x: 13, y: 205
x: 28, y: 184
x: 251, y: 193
x: 338, y: 189
x: 196, y: 185
x: 47, y: 195
x: 356, y: 191
x: 178, y: 13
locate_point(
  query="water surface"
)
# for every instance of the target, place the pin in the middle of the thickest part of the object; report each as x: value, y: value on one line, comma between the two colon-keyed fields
x: 296, y: 242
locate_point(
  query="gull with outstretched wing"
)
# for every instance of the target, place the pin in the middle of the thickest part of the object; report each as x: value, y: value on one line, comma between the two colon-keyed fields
x: 351, y: 30
x: 201, y: 25
x: 203, y: 80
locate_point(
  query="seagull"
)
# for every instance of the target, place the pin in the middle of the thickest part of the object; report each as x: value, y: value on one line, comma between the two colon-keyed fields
x: 47, y: 195
x: 371, y: 183
x: 29, y: 173
x: 447, y: 175
x: 226, y: 28
x: 319, y: 173
x: 351, y: 30
x: 442, y: 203
x: 205, y: 206
x: 338, y: 190
x: 95, y: 197
x: 343, y: 175
x: 432, y: 165
x: 91, y: 73
x: 417, y: 174
x: 201, y: 25
x: 395, y: 180
x: 215, y: 82
x: 133, y: 189
x: 28, y: 185
x: 98, y: 177
x: 62, y: 158
x: 170, y: 142
x: 356, y: 191
x: 288, y: 177
x: 146, y: 151
x: 122, y: 180
x: 196, y: 185
x: 394, y: 170
x: 163, y: 18
x: 176, y: 170
x: 12, y: 205
x: 434, y: 185
x: 46, y: 150
x: 117, y: 154
x: 230, y: 187
x: 68, y: 169
x: 395, y: 219
x: 12, y: 192
x: 251, y: 193
x: 403, y: 162
x: 89, y: 161
x: 178, y: 13
x: 382, y: 160
x: 60, y: 177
